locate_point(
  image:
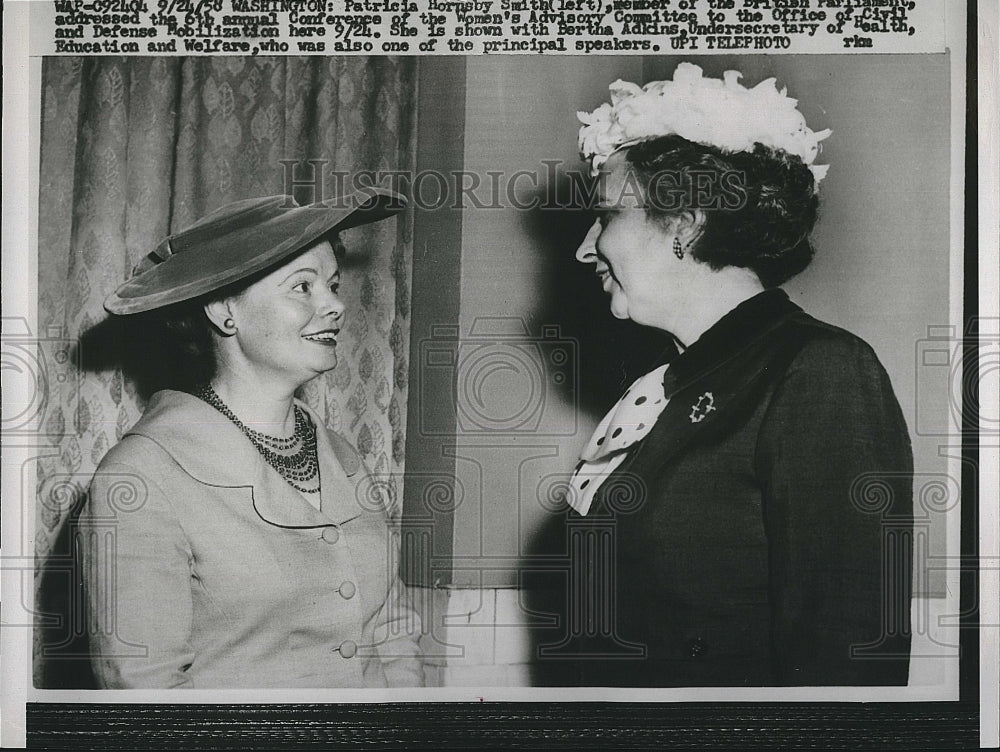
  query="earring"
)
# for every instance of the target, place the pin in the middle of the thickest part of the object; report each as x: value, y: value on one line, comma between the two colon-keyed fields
x: 229, y: 325
x: 678, y: 251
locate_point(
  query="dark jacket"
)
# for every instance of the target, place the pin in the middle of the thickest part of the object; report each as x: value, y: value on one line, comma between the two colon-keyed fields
x: 760, y: 534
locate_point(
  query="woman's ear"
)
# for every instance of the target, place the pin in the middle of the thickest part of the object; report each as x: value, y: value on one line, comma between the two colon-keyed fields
x: 221, y: 316
x: 689, y: 226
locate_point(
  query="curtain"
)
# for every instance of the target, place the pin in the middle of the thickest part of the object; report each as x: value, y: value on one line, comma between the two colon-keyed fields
x: 135, y: 148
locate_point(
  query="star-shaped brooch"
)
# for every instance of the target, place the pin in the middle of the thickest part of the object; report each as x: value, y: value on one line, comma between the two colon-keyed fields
x: 704, y: 405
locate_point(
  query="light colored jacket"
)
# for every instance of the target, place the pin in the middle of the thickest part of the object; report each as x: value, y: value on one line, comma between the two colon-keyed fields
x: 205, y: 568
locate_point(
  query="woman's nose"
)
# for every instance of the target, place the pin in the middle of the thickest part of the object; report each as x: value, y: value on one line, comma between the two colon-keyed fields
x: 332, y: 305
x: 587, y: 252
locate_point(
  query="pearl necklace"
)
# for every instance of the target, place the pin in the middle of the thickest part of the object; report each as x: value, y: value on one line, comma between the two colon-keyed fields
x: 294, y: 458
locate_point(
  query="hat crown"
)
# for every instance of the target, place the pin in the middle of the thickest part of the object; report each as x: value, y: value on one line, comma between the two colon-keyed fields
x: 224, y: 221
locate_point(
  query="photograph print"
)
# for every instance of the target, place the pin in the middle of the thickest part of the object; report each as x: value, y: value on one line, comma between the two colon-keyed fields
x: 507, y: 373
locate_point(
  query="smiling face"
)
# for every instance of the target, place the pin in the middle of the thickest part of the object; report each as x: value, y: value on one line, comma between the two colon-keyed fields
x: 631, y: 253
x: 287, y: 323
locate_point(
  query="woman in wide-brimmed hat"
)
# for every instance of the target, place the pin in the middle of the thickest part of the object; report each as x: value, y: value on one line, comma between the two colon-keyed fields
x: 230, y: 539
x: 758, y: 479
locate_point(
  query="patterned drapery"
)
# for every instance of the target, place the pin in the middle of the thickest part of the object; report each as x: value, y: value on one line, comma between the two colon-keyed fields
x: 135, y: 148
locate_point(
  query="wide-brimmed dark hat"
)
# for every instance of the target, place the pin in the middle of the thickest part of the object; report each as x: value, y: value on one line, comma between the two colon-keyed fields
x: 238, y: 240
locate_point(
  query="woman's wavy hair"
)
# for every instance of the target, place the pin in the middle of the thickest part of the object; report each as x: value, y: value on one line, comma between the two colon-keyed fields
x: 760, y: 206
x: 174, y: 347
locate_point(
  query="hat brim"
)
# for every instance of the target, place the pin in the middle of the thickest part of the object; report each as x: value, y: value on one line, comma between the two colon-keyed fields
x: 247, y: 251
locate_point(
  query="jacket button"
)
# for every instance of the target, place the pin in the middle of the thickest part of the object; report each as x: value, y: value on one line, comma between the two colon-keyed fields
x: 347, y: 589
x: 330, y: 534
x: 697, y: 648
x: 348, y: 648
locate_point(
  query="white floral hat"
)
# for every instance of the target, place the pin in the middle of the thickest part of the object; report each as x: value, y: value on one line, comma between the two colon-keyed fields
x: 711, y: 111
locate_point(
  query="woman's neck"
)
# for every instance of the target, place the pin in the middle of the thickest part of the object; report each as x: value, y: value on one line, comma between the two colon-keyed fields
x: 722, y: 292
x: 262, y: 406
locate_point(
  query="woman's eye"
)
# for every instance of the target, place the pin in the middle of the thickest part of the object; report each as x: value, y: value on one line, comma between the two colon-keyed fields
x: 301, y: 287
x: 335, y: 288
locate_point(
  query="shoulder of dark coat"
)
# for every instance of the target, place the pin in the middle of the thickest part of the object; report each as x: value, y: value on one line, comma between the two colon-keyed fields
x: 824, y: 345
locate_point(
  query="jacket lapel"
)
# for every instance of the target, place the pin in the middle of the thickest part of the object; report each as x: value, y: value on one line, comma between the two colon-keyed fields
x: 713, y: 384
x: 277, y: 503
x: 342, y: 488
x: 212, y: 450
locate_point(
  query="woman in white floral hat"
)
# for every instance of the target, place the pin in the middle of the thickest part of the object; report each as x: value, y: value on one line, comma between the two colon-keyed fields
x: 759, y: 479
x: 231, y: 540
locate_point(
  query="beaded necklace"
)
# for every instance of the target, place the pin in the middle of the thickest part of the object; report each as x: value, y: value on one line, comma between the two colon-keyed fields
x: 294, y: 458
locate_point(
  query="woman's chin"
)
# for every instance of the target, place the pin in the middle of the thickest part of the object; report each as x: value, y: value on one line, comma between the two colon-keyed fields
x: 318, y: 367
x: 323, y: 356
x: 619, y: 307
x: 328, y: 365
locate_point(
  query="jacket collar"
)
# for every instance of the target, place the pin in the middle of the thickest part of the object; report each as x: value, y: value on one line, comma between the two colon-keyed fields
x: 214, y: 451
x: 728, y: 337
x: 713, y: 384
